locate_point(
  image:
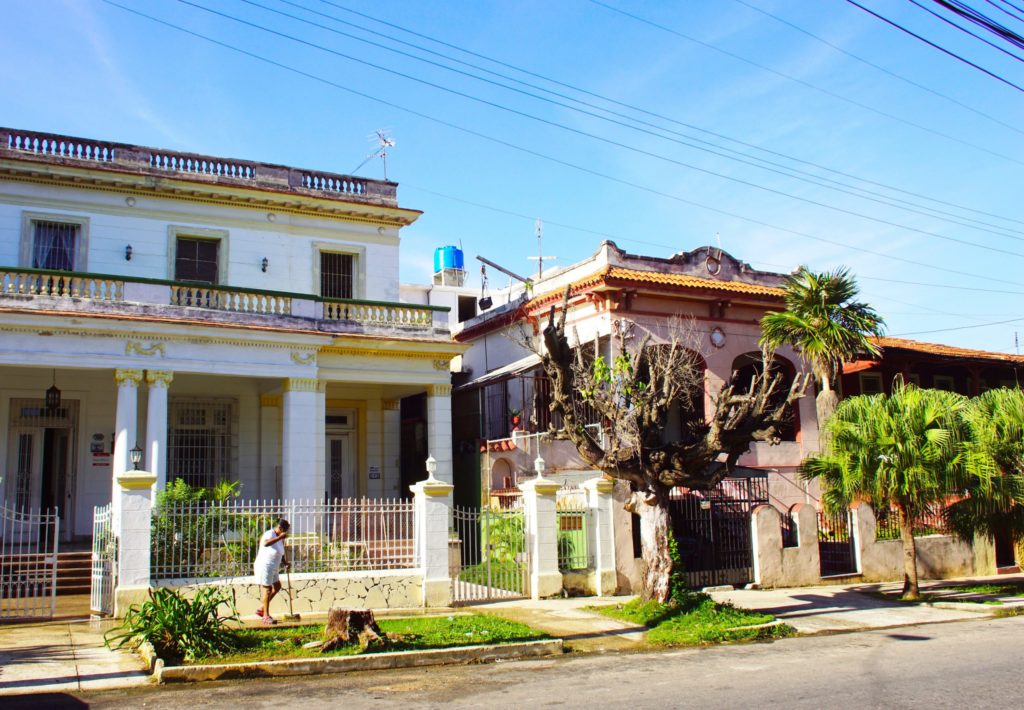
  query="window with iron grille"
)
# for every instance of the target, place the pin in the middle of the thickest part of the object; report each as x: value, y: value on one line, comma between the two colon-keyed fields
x: 202, y: 446
x: 197, y: 260
x: 54, y: 245
x: 336, y: 275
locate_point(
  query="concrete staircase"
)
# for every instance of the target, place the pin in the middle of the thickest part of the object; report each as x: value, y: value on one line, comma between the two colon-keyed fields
x: 74, y: 572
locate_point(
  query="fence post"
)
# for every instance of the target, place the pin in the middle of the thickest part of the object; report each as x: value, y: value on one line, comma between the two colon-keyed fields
x: 601, y: 534
x: 539, y: 498
x: 433, y: 511
x: 132, y: 528
x: 863, y: 528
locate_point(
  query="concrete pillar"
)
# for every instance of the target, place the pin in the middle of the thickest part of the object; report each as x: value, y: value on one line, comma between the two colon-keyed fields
x: 302, y: 440
x: 126, y: 422
x: 270, y: 447
x: 156, y: 426
x: 132, y: 529
x: 439, y: 429
x: 391, y: 423
x: 373, y: 487
x: 433, y: 510
x: 601, y: 533
x: 539, y: 497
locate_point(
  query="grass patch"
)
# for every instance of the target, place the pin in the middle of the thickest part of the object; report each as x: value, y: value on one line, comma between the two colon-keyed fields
x: 1001, y: 590
x: 696, y: 620
x: 509, y: 576
x: 417, y: 634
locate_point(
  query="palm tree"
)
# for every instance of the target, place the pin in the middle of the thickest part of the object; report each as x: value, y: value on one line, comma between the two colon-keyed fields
x: 826, y: 324
x: 900, y: 451
x: 994, y: 462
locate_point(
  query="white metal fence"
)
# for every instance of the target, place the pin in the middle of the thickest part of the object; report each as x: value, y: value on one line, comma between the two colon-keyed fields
x: 573, y: 522
x: 104, y: 561
x: 28, y: 563
x: 205, y: 540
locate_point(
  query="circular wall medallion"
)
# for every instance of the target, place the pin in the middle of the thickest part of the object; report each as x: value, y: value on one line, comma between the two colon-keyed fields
x: 717, y: 337
x: 713, y: 265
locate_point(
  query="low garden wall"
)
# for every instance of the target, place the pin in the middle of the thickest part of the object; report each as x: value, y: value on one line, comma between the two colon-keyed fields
x: 938, y: 556
x: 318, y: 592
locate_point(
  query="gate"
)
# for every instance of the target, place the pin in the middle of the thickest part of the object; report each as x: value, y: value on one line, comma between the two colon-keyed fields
x: 28, y: 563
x: 104, y: 561
x: 835, y: 544
x: 712, y: 529
x: 488, y: 557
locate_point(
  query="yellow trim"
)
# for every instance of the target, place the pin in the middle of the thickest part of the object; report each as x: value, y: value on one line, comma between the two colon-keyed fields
x: 418, y: 350
x: 133, y: 346
x: 439, y: 390
x: 136, y: 480
x: 302, y: 384
x: 127, y: 378
x: 270, y: 400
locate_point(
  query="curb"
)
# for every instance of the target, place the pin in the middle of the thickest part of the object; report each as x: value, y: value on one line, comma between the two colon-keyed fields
x: 349, y: 664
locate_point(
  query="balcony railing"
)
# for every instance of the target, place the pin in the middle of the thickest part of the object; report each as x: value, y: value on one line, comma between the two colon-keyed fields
x: 110, y: 289
x: 107, y: 155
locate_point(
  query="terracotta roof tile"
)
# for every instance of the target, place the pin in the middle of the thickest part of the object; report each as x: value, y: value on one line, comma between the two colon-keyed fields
x: 686, y: 281
x: 947, y: 350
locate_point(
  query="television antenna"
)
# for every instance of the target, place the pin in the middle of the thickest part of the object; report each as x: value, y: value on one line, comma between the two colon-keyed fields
x: 540, y: 250
x: 382, y: 138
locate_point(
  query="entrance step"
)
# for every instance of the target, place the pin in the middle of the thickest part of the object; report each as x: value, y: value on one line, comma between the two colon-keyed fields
x: 74, y: 573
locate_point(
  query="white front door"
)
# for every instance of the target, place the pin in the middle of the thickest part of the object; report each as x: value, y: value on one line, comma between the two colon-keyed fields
x: 341, y: 473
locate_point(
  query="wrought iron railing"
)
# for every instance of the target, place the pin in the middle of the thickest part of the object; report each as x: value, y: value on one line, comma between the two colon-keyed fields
x: 209, y: 540
x: 573, y: 522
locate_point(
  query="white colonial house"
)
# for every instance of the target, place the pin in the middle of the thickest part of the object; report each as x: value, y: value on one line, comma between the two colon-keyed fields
x: 234, y: 320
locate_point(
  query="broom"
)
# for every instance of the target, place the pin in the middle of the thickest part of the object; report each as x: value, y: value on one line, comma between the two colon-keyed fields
x: 291, y: 615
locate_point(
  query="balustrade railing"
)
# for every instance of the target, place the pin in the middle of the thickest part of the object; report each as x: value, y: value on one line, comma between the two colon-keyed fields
x: 143, y: 159
x: 36, y: 282
x: 220, y: 299
x: 111, y: 289
x: 378, y: 313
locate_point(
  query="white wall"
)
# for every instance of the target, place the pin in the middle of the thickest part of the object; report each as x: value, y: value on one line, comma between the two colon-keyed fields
x: 288, y: 242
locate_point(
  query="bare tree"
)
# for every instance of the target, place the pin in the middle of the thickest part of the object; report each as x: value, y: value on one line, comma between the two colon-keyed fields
x: 632, y: 396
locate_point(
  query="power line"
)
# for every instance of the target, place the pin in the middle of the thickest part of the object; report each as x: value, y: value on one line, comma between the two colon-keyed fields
x: 965, y: 30
x: 796, y: 80
x: 602, y: 139
x: 552, y: 159
x: 903, y: 29
x: 632, y: 107
x: 879, y: 67
x: 784, y: 170
x: 959, y: 327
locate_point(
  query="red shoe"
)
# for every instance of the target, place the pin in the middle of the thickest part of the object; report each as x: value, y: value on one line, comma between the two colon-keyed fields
x: 259, y: 612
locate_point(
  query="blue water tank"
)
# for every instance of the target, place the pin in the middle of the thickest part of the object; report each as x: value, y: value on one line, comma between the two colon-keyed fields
x: 448, y: 257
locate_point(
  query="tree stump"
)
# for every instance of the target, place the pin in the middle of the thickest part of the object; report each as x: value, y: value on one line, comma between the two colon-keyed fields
x: 344, y: 624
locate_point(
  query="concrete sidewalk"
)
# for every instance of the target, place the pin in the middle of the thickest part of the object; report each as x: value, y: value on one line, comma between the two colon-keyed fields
x: 63, y: 656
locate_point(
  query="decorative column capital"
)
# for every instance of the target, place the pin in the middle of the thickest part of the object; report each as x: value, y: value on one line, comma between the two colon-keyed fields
x: 127, y: 378
x: 439, y: 390
x: 304, y: 384
x: 391, y: 405
x: 159, y: 378
x: 136, y: 480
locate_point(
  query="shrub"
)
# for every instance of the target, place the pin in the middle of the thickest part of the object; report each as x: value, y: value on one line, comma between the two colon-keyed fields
x: 179, y: 629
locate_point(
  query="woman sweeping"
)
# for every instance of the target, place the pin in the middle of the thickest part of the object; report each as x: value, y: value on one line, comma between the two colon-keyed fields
x: 266, y: 567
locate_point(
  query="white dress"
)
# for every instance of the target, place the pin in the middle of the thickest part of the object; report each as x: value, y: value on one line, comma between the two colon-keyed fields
x: 268, y: 560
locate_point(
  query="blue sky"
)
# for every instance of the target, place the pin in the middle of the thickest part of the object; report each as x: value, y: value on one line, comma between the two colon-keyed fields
x: 717, y: 71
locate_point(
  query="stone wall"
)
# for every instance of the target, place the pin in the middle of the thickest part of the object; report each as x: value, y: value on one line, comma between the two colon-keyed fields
x: 938, y: 556
x: 401, y: 589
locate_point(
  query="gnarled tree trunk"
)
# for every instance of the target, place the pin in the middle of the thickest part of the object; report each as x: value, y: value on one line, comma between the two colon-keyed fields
x: 655, y: 532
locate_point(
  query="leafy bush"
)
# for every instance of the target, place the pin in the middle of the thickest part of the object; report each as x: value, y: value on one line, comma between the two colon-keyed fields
x: 503, y: 534
x: 179, y: 629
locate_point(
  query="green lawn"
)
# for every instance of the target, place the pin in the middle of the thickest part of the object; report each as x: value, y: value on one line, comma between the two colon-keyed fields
x: 418, y: 633
x: 1001, y: 590
x: 698, y: 620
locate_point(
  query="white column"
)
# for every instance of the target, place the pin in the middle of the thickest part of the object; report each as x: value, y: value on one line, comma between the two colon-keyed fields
x: 375, y: 454
x: 156, y: 426
x: 601, y: 533
x: 270, y: 446
x: 433, y: 509
x: 125, y: 428
x: 392, y: 424
x: 539, y: 497
x: 302, y: 440
x: 132, y: 528
x: 439, y: 429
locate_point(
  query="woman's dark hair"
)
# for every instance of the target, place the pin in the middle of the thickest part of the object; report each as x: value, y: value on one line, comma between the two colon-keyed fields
x: 283, y: 524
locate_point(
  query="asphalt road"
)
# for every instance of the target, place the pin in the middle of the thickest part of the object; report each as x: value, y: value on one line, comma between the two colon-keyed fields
x: 973, y: 664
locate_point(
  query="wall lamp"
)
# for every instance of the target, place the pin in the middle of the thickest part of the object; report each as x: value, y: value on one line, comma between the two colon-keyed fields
x: 264, y: 264
x: 128, y: 253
